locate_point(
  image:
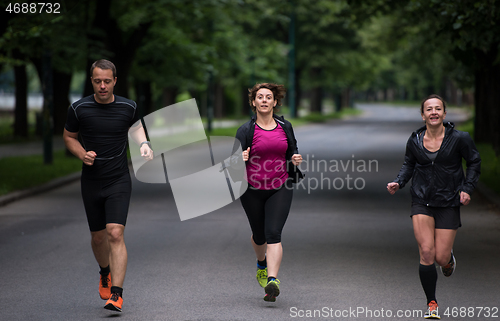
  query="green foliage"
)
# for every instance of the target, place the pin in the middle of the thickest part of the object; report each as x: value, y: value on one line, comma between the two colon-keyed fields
x: 490, y: 163
x: 490, y: 167
x: 182, y: 97
x: 22, y: 172
x: 7, y: 130
x: 320, y: 118
x: 28, y: 36
x: 468, y: 126
x: 364, y: 45
x: 227, y: 131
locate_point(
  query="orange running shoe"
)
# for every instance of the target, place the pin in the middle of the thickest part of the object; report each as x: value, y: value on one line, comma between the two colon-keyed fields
x: 432, y: 311
x: 114, y: 303
x: 105, y: 287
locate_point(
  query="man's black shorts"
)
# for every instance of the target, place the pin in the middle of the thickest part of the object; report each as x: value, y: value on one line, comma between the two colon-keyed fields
x: 106, y: 201
x: 444, y: 217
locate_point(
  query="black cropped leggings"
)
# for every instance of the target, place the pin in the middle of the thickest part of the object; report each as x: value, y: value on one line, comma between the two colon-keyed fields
x: 267, y: 211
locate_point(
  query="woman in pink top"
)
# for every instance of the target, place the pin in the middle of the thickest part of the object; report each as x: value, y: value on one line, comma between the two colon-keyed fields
x: 271, y: 156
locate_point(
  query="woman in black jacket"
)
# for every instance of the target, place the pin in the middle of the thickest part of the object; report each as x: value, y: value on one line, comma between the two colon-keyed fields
x: 433, y: 160
x: 271, y: 156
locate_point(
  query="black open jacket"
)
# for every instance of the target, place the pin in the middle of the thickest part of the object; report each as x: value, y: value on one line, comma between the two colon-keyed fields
x: 245, y: 136
x: 438, y: 183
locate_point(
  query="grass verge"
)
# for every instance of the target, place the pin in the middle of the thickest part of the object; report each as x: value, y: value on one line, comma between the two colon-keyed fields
x: 490, y: 163
x: 7, y: 129
x: 22, y: 172
x: 320, y: 118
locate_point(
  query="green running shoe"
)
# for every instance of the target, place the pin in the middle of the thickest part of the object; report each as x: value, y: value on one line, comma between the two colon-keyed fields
x: 272, y: 290
x: 262, y: 277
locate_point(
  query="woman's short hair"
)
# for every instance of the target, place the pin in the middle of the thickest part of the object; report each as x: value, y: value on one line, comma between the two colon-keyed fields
x: 278, y: 93
x: 430, y: 97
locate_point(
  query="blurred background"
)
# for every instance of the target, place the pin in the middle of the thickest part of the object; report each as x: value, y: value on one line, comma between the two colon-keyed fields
x: 330, y: 54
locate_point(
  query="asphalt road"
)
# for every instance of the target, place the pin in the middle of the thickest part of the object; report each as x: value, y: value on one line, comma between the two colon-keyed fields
x: 349, y: 250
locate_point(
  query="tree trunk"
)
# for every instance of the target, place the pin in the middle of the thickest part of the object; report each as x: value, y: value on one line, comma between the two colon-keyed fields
x: 21, y: 108
x: 338, y: 101
x: 219, y: 101
x: 298, y: 91
x: 88, y: 89
x: 316, y: 92
x: 169, y: 96
x: 346, y: 98
x: 144, y: 101
x: 487, y: 99
x: 62, y: 82
x: 481, y: 125
x: 246, y: 109
x: 197, y: 95
x: 487, y: 102
x: 112, y: 37
x: 200, y: 97
x: 317, y: 100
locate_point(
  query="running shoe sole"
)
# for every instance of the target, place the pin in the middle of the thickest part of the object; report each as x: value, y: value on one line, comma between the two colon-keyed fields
x: 434, y: 316
x: 272, y: 291
x: 114, y: 303
x: 112, y: 307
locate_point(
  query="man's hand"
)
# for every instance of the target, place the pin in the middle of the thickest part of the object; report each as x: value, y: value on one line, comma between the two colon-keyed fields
x: 464, y: 198
x: 392, y: 187
x: 89, y: 157
x: 146, y: 152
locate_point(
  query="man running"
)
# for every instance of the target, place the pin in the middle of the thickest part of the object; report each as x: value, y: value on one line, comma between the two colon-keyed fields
x: 103, y: 121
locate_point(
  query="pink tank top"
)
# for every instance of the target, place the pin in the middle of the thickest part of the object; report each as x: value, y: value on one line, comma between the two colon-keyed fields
x: 266, y: 167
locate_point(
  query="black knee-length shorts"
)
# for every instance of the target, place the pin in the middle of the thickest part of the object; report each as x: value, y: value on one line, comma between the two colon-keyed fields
x: 106, y: 200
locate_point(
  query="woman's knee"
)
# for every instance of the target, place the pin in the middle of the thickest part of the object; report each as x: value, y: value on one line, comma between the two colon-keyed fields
x: 427, y: 254
x: 443, y: 258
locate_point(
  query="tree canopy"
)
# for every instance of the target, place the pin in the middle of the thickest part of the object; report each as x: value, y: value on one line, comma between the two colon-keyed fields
x: 397, y: 49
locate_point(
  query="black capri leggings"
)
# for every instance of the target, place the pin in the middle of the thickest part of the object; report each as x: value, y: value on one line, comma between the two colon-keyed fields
x: 267, y: 211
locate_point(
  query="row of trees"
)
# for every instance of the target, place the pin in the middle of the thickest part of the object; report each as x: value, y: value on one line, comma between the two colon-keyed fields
x: 216, y: 49
x: 446, y: 41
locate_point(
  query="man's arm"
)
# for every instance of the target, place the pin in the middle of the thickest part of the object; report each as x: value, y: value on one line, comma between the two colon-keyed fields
x: 138, y: 135
x: 74, y: 146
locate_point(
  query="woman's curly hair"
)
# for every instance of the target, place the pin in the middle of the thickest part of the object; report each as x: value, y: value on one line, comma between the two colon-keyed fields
x: 278, y: 93
x: 430, y: 97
